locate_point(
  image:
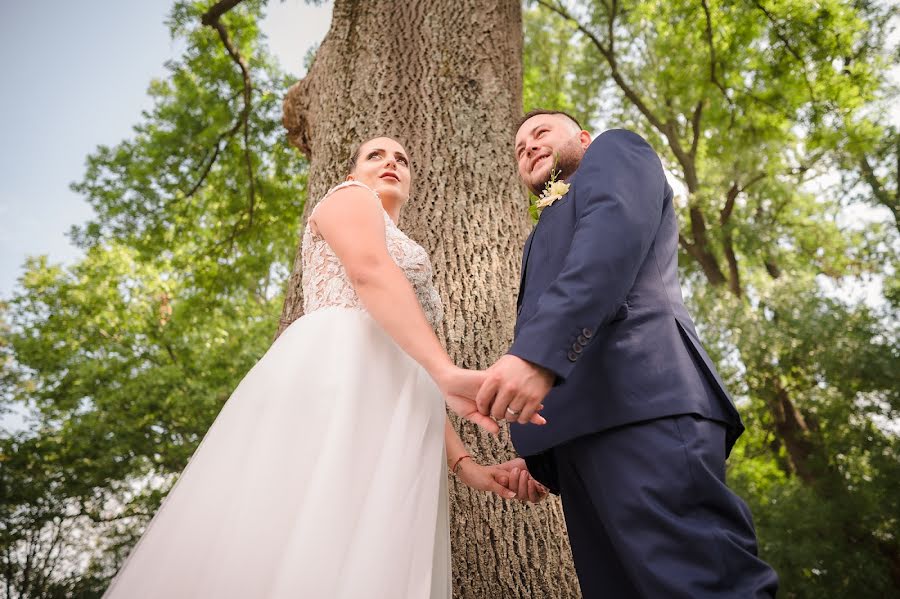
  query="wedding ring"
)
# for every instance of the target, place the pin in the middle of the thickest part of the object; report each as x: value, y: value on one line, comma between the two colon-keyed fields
x: 513, y: 412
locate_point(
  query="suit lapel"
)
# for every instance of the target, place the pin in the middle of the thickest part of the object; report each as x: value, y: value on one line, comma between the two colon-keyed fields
x: 528, y: 243
x: 525, y: 254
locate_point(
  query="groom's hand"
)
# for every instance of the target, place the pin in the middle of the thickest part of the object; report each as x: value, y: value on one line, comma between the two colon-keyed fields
x: 518, y: 480
x: 514, y: 390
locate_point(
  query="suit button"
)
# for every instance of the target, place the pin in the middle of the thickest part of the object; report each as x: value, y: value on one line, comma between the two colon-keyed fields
x: 577, y: 348
x: 582, y: 339
x: 572, y: 356
x: 587, y: 333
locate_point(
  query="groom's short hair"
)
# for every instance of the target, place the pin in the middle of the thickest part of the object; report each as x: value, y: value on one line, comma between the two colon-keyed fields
x: 537, y: 111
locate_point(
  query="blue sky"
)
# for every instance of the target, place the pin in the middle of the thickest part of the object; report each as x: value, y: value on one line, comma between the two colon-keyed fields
x: 76, y: 77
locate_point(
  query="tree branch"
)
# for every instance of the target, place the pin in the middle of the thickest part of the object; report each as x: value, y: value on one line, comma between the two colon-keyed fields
x: 611, y: 27
x: 610, y: 58
x: 123, y: 516
x: 772, y: 268
x: 730, y: 197
x: 217, y: 147
x: 792, y: 429
x: 734, y: 276
x: 218, y: 9
x: 49, y: 562
x: 705, y: 259
x: 803, y: 168
x: 695, y: 128
x: 206, y: 169
x: 879, y: 191
x: 172, y: 355
x: 29, y: 557
x: 712, y: 54
x: 733, y: 192
x: 701, y: 247
x: 211, y: 18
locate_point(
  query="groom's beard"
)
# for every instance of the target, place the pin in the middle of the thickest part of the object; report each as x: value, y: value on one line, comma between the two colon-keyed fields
x: 569, y: 157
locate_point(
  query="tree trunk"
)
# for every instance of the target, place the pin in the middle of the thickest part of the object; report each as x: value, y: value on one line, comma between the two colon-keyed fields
x: 445, y: 79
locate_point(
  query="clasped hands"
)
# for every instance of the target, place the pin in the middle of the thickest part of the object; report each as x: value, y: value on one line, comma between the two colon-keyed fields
x: 509, y: 480
x: 512, y: 390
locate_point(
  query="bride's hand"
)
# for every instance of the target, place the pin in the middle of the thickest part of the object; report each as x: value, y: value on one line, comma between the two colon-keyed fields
x: 460, y: 387
x: 484, y: 478
x: 496, y: 479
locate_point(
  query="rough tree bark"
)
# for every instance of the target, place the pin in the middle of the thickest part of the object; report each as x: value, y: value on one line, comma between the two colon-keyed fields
x: 445, y: 78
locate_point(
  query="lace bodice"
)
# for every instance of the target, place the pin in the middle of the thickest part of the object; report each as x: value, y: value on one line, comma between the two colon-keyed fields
x: 325, y: 282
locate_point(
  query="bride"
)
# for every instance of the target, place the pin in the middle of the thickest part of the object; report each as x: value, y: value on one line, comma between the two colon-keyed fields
x: 321, y: 477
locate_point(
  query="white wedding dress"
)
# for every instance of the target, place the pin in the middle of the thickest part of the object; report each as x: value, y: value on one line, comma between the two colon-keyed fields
x: 323, y: 477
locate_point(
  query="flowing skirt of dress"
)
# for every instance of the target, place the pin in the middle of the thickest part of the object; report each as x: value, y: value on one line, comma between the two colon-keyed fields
x: 322, y: 477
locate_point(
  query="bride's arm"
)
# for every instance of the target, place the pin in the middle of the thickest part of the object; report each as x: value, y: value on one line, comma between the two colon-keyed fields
x: 352, y: 223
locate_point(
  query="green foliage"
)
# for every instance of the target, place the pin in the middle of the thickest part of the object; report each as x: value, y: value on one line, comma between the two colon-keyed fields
x: 181, y: 188
x: 124, y: 359
x: 770, y: 114
x: 828, y: 527
x: 558, y: 75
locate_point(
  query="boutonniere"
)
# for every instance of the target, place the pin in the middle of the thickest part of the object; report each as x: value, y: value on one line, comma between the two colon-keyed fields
x: 554, y: 190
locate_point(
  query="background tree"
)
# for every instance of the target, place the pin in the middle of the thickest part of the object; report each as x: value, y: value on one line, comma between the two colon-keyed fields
x: 789, y: 256
x: 125, y: 358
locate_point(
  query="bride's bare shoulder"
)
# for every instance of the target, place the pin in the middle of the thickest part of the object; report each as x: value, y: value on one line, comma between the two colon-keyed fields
x: 347, y: 200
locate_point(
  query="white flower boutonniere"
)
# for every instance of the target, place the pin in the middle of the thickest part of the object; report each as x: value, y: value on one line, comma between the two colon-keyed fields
x: 553, y: 191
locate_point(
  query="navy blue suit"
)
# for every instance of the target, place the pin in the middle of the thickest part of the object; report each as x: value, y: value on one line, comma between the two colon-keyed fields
x: 638, y: 417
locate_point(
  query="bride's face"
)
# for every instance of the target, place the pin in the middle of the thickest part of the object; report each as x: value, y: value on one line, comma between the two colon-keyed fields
x: 383, y: 165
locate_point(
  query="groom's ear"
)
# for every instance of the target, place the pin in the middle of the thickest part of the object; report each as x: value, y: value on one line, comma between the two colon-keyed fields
x: 585, y: 139
x: 349, y: 177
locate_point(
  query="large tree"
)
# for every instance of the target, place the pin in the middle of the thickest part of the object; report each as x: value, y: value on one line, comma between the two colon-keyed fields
x: 446, y: 79
x: 124, y: 358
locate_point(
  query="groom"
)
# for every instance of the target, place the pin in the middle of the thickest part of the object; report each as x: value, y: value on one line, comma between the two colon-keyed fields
x: 638, y: 421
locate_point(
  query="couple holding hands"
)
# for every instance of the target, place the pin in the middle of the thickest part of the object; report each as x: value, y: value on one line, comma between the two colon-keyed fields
x: 323, y: 477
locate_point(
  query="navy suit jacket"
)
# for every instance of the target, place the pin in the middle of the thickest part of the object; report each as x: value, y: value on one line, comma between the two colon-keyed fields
x: 600, y: 304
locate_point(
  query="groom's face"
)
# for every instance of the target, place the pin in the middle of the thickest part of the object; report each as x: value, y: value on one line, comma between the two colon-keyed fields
x: 543, y: 139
